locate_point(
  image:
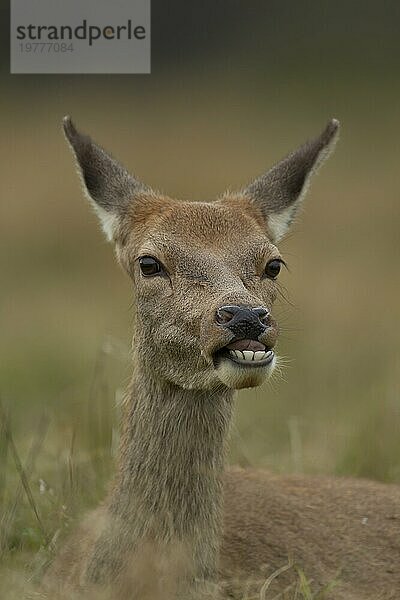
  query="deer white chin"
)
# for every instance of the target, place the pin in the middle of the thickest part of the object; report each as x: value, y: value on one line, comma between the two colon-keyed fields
x: 238, y: 373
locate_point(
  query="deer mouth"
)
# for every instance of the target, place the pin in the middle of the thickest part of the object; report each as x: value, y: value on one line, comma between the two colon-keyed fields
x: 246, y: 353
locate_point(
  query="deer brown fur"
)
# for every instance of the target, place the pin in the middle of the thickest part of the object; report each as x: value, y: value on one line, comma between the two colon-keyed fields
x: 176, y: 524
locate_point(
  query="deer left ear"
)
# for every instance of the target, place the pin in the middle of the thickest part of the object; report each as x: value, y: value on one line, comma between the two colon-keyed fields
x: 107, y: 184
x: 279, y: 192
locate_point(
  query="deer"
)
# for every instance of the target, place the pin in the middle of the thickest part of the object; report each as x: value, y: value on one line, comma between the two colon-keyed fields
x: 177, y: 523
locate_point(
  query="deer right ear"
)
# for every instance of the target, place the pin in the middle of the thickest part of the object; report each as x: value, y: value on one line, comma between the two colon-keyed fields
x: 278, y: 194
x: 109, y: 187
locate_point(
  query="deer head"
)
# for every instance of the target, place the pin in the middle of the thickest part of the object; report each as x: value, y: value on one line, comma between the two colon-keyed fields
x: 204, y: 273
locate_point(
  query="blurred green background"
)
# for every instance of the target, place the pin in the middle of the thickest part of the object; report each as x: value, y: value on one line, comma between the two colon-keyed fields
x: 234, y: 87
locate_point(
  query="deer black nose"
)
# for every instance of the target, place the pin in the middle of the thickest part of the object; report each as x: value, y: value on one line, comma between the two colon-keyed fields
x: 242, y: 321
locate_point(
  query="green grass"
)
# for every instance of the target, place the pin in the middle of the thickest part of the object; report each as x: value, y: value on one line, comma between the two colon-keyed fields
x: 61, y: 467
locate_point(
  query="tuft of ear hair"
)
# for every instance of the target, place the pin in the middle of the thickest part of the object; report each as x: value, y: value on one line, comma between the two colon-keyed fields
x: 107, y: 184
x: 279, y: 192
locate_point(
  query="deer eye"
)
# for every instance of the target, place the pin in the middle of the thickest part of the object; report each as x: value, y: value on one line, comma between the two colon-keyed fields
x: 273, y: 268
x: 149, y: 266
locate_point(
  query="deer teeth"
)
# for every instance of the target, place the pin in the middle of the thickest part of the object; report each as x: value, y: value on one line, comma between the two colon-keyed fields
x: 249, y: 355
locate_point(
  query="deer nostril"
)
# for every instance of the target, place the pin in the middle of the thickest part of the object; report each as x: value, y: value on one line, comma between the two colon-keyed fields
x: 224, y: 315
x: 263, y: 314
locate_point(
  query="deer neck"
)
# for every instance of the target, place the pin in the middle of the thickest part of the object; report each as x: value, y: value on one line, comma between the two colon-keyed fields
x: 169, y: 485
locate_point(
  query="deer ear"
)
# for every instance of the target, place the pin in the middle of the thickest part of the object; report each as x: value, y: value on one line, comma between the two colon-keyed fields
x: 279, y: 192
x: 109, y: 187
